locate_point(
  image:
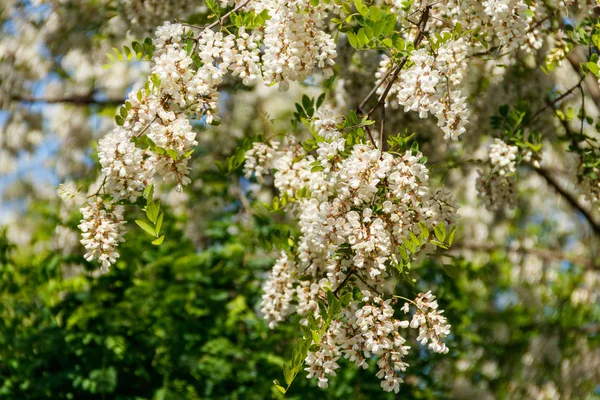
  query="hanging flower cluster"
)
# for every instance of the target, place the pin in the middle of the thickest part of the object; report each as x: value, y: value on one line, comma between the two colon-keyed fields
x: 102, y: 229
x: 356, y: 207
x: 424, y: 87
x: 498, y: 187
x: 432, y: 80
x: 155, y: 137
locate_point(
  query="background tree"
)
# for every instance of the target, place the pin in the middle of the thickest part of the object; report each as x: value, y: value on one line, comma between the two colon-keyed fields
x: 299, y: 212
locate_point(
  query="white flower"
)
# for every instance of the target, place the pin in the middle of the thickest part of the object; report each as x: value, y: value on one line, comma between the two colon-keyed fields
x: 432, y: 325
x: 102, y: 230
x: 278, y: 291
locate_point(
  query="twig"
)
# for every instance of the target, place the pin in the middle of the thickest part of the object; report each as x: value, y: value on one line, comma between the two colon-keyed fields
x: 76, y: 100
x: 222, y: 20
x: 418, y: 39
x: 337, y: 290
x: 545, y: 254
x: 374, y: 90
x: 367, y: 284
x: 552, y: 103
x: 569, y: 197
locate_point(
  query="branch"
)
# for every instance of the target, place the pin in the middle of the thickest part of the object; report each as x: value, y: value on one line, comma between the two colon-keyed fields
x: 396, y: 71
x: 553, y: 102
x: 222, y: 20
x: 545, y: 254
x: 336, y: 291
x: 591, y: 84
x: 76, y: 100
x: 569, y: 197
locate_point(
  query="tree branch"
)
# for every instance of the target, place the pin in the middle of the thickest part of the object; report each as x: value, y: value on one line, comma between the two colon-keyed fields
x: 76, y: 100
x: 545, y: 254
x: 396, y: 71
x: 569, y: 197
x: 222, y: 20
x: 575, y: 57
x: 553, y: 102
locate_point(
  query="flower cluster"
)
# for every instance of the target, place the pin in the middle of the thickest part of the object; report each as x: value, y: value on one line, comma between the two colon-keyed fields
x: 502, y: 158
x: 498, y: 187
x: 295, y: 41
x: 278, y: 291
x: 365, y: 329
x: 431, y: 82
x: 432, y: 325
x: 424, y: 86
x: 503, y: 24
x: 259, y: 158
x: 155, y: 137
x: 102, y: 230
x: 355, y: 205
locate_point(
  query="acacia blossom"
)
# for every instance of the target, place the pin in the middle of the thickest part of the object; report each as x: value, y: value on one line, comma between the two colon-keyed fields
x: 354, y: 212
x: 155, y: 137
x: 498, y: 187
x: 102, y: 229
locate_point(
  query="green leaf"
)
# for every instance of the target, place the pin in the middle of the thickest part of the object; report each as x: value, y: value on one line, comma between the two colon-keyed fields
x: 315, y: 337
x: 452, y: 271
x: 414, y: 239
x: 172, y: 153
x: 360, y: 7
x: 306, y: 332
x: 152, y: 209
x: 128, y: 53
x: 346, y: 299
x: 593, y: 67
x: 159, y: 223
x: 288, y: 374
x: 148, y: 192
x: 440, y: 232
x: 330, y: 298
x: 279, y: 387
x: 409, y: 245
x: 146, y: 226
x: 424, y: 231
x: 320, y: 100
x: 352, y: 39
x: 451, y: 236
x: 529, y: 13
x: 306, y: 102
x: 158, y: 242
x: 440, y: 244
x: 375, y: 13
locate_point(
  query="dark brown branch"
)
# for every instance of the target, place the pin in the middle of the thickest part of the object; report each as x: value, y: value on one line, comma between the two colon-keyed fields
x: 374, y: 90
x: 222, y: 20
x: 554, y: 102
x: 76, y: 100
x: 336, y: 291
x: 591, y: 83
x: 396, y: 71
x: 569, y: 197
x: 545, y: 254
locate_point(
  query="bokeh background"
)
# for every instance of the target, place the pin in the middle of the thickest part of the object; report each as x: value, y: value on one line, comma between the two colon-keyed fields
x: 180, y: 321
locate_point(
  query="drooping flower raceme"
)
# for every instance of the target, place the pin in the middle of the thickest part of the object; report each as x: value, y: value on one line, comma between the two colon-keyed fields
x: 429, y: 320
x: 155, y: 137
x: 102, y: 230
x: 498, y: 187
x: 355, y: 211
